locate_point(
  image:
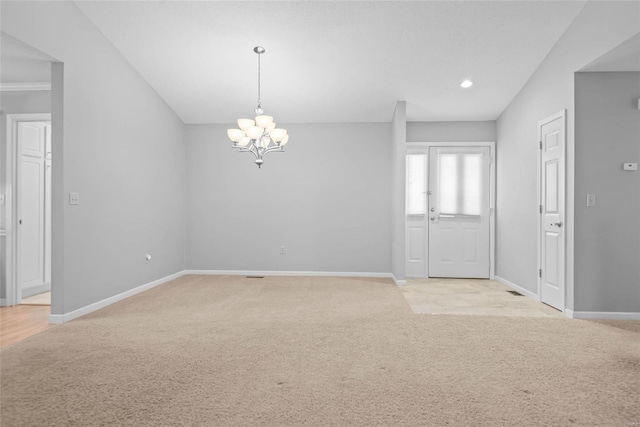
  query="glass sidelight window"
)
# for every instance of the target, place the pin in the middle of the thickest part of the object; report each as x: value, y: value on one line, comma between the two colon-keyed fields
x: 416, y: 200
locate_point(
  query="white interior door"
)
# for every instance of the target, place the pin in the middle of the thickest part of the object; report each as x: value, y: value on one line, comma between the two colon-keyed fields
x: 552, y: 175
x: 31, y: 205
x: 459, y: 212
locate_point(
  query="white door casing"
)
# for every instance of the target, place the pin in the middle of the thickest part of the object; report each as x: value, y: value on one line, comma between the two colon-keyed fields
x: 459, y: 212
x: 551, y: 197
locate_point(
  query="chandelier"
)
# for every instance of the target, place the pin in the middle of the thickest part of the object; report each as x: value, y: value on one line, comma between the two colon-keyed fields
x: 259, y: 136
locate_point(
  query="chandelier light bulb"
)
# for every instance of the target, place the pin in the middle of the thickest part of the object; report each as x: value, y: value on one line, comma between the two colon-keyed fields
x: 245, y: 124
x: 278, y: 134
x: 284, y: 141
x: 235, y: 134
x: 254, y: 132
x: 264, y: 121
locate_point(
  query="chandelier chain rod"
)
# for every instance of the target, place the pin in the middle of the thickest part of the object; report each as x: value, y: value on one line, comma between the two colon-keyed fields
x: 259, y: 100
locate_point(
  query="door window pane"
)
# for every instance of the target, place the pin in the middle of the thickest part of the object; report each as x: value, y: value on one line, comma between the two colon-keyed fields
x: 416, y: 184
x: 460, y: 179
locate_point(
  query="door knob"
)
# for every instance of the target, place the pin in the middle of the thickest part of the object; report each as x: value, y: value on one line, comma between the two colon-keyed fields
x: 557, y: 224
x: 433, y: 218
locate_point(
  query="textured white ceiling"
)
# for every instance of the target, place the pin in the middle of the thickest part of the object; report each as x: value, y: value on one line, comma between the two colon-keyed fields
x: 347, y: 61
x: 625, y: 57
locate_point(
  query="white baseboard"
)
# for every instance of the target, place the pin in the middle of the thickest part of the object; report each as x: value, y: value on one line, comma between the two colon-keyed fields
x: 517, y: 288
x: 608, y: 315
x: 288, y: 273
x: 398, y: 282
x: 61, y: 318
x: 35, y: 290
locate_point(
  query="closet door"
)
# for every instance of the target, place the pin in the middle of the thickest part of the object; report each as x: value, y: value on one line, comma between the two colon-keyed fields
x: 31, y: 204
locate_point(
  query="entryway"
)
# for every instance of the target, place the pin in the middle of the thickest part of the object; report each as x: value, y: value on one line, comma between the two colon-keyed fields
x: 29, y: 165
x: 450, y: 218
x: 471, y: 297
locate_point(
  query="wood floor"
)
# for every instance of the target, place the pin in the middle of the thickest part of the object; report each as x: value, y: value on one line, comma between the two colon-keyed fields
x: 22, y: 321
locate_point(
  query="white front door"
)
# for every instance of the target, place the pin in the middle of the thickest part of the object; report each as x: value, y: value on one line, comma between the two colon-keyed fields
x: 31, y: 205
x: 459, y: 214
x: 551, y: 184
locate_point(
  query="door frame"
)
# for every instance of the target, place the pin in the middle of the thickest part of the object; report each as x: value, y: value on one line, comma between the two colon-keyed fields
x: 562, y: 114
x: 11, y: 205
x: 423, y: 147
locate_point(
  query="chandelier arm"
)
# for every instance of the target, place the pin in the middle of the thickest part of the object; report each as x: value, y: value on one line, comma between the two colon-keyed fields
x: 276, y: 148
x: 253, y: 150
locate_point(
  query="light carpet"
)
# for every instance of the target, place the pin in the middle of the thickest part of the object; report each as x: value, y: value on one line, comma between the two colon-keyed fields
x: 232, y: 351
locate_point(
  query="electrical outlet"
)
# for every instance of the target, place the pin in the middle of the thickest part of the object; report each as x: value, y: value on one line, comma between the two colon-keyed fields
x: 74, y: 198
x: 1, y: 199
x: 591, y: 199
x: 282, y: 250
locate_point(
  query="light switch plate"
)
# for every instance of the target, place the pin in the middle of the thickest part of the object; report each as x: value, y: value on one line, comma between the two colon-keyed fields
x: 591, y: 199
x: 74, y: 199
x: 630, y: 166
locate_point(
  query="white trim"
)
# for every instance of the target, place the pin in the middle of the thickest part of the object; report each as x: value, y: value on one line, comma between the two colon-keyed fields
x: 412, y: 148
x: 17, y: 87
x: 4, y: 302
x: 35, y: 290
x: 610, y: 315
x: 517, y: 288
x: 61, y: 318
x: 563, y: 115
x: 288, y: 273
x: 398, y: 282
x: 11, y: 191
x: 447, y: 144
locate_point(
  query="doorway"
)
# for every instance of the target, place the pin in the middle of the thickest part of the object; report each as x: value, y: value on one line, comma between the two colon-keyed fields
x: 449, y: 208
x: 29, y: 166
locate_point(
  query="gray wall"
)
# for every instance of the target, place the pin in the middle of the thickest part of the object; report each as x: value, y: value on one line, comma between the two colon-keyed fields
x: 598, y: 28
x: 607, y: 235
x: 15, y: 103
x: 326, y: 199
x: 122, y: 150
x: 484, y: 131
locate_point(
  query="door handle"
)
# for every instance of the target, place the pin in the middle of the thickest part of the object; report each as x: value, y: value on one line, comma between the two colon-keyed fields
x: 557, y: 224
x: 433, y: 218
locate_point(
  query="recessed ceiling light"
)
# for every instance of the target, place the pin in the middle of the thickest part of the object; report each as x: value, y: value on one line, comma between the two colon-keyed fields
x: 466, y: 84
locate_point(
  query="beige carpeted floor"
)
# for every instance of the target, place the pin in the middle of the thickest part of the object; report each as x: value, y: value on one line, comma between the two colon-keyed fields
x: 229, y: 351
